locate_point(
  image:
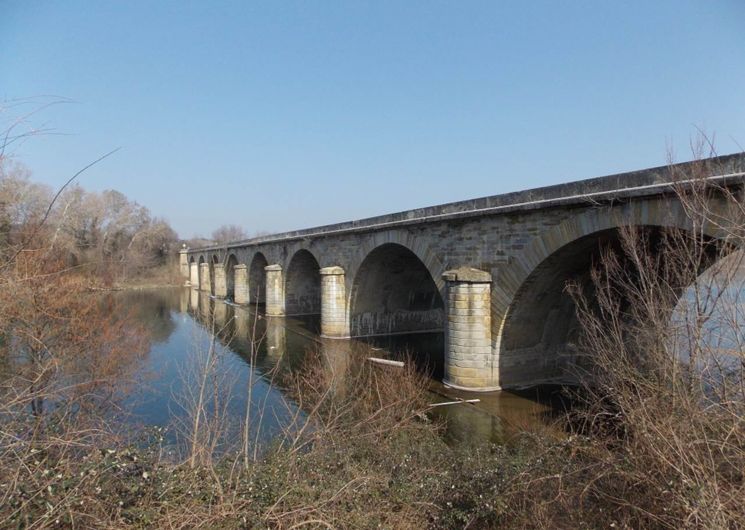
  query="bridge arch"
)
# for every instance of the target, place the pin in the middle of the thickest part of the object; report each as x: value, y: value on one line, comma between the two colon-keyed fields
x: 412, y: 242
x: 303, y: 284
x: 394, y: 291
x: 257, y: 279
x: 534, y: 318
x: 230, y: 264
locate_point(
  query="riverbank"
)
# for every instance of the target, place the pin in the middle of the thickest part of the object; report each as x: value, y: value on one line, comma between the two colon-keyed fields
x: 155, y: 278
x: 363, y: 449
x: 369, y: 460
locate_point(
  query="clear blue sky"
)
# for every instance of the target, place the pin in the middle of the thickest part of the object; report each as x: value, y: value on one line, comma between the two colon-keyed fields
x: 282, y: 115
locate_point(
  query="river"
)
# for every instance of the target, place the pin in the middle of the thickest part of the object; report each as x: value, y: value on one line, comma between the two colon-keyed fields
x: 179, y: 321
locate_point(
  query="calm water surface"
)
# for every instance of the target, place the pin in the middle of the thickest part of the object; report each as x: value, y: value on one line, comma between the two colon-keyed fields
x: 179, y: 320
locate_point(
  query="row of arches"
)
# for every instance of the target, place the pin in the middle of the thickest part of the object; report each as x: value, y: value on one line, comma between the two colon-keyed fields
x: 394, y: 290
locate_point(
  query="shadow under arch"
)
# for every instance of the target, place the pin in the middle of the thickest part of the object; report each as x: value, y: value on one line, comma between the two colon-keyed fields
x: 396, y: 304
x: 540, y: 331
x: 230, y: 264
x: 257, y: 279
x: 393, y: 292
x: 303, y: 285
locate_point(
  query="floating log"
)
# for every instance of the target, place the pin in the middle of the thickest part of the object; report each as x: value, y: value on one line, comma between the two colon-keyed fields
x: 387, y: 362
x: 444, y: 403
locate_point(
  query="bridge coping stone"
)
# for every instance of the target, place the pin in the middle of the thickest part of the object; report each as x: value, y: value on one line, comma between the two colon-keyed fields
x: 467, y: 274
x: 331, y: 271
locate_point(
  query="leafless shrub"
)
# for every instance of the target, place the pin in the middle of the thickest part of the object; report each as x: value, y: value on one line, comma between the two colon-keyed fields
x: 660, y: 440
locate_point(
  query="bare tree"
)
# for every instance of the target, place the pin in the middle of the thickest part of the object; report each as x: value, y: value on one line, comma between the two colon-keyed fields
x: 229, y: 233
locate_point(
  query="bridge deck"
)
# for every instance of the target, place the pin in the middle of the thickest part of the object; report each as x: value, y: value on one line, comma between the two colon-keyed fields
x: 652, y: 181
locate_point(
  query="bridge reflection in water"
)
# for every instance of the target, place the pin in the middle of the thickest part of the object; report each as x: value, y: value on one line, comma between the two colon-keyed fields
x: 270, y: 346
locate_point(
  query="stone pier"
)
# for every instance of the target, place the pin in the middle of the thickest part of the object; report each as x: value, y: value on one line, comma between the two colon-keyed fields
x: 221, y: 283
x: 205, y: 282
x: 194, y: 275
x: 275, y: 291
x: 240, y: 285
x: 334, y: 322
x: 468, y: 356
x: 183, y: 262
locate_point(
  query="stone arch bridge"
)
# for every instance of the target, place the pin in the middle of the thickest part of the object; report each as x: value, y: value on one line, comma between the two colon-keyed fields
x: 489, y: 273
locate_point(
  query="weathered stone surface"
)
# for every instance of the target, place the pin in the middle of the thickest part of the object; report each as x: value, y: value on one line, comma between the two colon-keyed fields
x: 334, y: 323
x: 275, y: 291
x: 468, y: 331
x: 242, y: 290
x: 467, y: 274
x: 183, y: 263
x: 303, y: 285
x: 508, y: 258
x: 221, y: 284
x: 194, y: 275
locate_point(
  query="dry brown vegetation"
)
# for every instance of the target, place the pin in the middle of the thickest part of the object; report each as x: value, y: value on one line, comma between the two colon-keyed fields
x: 659, y: 441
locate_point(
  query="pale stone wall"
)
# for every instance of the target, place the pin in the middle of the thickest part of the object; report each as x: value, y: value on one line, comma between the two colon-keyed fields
x: 221, y: 284
x: 194, y: 275
x: 334, y: 322
x: 468, y: 332
x: 275, y: 291
x: 242, y: 290
x: 183, y: 262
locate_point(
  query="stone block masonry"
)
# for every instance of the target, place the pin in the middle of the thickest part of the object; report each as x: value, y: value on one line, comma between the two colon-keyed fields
x: 221, y: 284
x: 334, y: 323
x: 468, y: 358
x: 275, y: 291
x: 241, y: 295
x: 489, y: 273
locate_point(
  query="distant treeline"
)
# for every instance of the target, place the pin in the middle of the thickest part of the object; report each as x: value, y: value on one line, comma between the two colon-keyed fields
x: 104, y: 233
